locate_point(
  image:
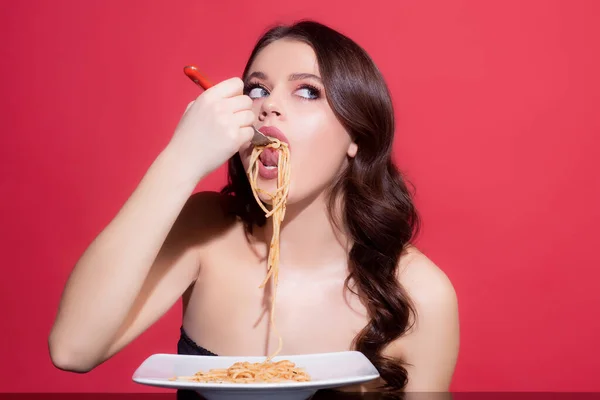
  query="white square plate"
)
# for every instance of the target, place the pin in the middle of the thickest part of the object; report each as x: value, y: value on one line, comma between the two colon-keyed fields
x: 327, y: 370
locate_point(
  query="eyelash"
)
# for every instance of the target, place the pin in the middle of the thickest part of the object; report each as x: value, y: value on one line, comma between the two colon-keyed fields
x: 316, y: 92
x: 253, y: 85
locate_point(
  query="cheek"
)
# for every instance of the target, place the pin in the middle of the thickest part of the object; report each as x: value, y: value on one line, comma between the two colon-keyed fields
x: 321, y: 159
x: 327, y: 138
x: 318, y: 154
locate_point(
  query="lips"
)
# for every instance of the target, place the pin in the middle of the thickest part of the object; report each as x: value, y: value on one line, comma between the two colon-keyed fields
x: 275, y: 133
x: 267, y: 172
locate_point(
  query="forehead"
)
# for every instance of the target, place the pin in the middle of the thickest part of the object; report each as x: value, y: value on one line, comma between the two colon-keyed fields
x: 284, y: 57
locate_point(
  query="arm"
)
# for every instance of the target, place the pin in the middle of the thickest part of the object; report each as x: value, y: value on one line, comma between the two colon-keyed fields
x: 144, y: 260
x: 106, y: 301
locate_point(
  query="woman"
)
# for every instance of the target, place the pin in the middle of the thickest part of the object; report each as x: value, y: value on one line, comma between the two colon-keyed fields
x: 349, y: 276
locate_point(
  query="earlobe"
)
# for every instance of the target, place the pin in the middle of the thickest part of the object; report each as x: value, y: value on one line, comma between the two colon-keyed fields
x: 352, y: 149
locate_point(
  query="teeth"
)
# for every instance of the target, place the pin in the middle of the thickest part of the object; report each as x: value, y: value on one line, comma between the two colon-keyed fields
x: 270, y: 166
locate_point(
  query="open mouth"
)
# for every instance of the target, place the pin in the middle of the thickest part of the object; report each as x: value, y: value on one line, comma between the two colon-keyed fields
x: 268, y: 161
x: 269, y: 158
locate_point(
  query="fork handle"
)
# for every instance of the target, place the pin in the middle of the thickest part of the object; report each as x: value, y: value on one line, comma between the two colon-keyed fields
x: 195, y: 75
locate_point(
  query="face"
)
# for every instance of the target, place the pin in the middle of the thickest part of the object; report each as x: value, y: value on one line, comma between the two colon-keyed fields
x: 285, y: 85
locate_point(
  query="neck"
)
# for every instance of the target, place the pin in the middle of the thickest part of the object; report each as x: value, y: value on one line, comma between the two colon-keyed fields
x: 308, y: 237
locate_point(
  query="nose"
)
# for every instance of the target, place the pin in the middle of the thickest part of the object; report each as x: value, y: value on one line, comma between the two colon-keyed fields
x: 270, y: 108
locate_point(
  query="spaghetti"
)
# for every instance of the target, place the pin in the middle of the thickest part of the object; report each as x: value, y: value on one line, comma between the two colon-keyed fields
x: 267, y: 371
x: 246, y: 372
x: 278, y: 200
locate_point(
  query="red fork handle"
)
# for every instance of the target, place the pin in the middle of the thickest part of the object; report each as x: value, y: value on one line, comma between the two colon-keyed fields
x: 195, y: 75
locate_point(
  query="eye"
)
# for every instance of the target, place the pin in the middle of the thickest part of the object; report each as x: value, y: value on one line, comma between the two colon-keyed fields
x: 308, y: 92
x: 255, y: 91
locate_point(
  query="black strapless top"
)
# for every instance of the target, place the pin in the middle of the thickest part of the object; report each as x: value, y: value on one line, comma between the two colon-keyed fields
x: 186, y: 345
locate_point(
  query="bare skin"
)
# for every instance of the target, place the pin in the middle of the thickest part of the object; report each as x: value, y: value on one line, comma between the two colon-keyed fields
x: 166, y: 244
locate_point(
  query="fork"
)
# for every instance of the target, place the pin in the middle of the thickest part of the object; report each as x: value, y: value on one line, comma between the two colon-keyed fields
x: 259, y: 139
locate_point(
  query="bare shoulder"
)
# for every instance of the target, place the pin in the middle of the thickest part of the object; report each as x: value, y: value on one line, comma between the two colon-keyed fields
x: 430, y: 347
x: 427, y: 285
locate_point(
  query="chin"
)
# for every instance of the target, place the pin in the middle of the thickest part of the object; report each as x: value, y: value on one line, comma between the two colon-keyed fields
x: 266, y: 185
x: 270, y: 186
x: 266, y: 199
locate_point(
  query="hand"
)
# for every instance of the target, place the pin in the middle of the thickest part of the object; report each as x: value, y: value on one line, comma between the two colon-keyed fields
x: 214, y: 127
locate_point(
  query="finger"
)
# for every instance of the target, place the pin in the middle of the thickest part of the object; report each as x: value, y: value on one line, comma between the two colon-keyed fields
x: 244, y: 118
x: 239, y: 103
x: 191, y: 103
x: 227, y: 88
x: 246, y: 134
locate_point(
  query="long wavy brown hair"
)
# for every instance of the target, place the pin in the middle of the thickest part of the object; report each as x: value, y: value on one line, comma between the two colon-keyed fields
x: 378, y: 214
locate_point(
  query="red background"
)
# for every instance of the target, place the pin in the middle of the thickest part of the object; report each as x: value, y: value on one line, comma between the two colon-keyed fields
x: 498, y: 127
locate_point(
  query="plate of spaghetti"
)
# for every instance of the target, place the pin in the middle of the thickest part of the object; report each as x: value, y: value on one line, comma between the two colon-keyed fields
x: 290, y: 377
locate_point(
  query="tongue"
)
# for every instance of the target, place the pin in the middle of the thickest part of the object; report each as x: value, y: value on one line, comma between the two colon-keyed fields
x: 269, y: 157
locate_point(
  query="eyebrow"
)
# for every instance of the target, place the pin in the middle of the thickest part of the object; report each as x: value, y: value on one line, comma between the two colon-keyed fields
x: 292, y: 77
